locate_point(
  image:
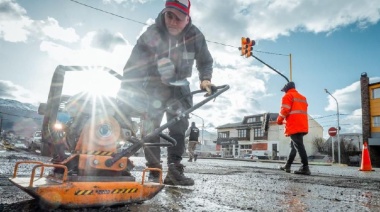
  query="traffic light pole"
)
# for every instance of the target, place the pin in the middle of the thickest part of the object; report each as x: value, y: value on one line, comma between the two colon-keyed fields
x: 270, y: 67
x: 246, y: 50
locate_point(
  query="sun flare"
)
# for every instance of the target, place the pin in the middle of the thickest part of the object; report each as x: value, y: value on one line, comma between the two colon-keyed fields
x: 95, y: 82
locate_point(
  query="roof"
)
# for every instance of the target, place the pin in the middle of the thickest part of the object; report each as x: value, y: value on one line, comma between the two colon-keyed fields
x: 243, y: 124
x: 229, y: 125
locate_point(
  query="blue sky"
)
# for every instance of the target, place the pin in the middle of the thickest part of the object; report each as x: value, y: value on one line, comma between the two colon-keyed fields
x: 331, y: 42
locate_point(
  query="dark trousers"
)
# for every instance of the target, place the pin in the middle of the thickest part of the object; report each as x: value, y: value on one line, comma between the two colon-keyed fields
x: 159, y: 103
x: 296, y: 145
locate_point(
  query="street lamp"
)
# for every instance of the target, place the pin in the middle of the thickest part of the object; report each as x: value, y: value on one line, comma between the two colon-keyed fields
x: 338, y: 128
x: 203, y: 128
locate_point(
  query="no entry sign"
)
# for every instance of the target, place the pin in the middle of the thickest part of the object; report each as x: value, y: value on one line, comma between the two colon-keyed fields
x: 332, y: 131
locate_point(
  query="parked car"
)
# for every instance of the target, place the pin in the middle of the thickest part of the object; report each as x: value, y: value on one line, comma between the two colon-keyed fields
x: 354, y: 160
x: 20, y: 143
x: 36, y: 141
x: 320, y: 158
x: 250, y: 156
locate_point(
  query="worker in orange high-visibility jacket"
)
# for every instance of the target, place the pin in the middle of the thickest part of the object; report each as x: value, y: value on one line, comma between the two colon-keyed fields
x: 294, y: 115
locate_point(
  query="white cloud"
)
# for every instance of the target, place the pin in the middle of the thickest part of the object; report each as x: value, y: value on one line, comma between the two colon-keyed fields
x: 103, y: 40
x: 345, y: 98
x: 51, y: 29
x: 349, y: 102
x: 13, y: 22
x: 352, y: 122
x: 243, y: 97
x: 220, y: 21
x: 113, y: 53
x: 88, y: 54
x: 268, y: 20
x: 126, y: 1
x: 262, y: 19
x: 9, y: 90
x: 16, y: 26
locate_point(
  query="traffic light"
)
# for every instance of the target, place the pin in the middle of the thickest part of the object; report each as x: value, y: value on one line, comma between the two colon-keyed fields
x: 246, y: 46
x: 243, y: 47
x: 249, y: 45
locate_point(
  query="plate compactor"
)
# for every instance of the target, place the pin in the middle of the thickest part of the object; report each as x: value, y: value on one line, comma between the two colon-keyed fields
x: 95, y: 173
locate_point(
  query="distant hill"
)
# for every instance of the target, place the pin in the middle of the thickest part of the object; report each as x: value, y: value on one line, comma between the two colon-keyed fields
x: 22, y: 118
x: 208, y: 136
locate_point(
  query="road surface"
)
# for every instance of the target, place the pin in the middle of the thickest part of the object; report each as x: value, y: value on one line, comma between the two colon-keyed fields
x: 230, y: 185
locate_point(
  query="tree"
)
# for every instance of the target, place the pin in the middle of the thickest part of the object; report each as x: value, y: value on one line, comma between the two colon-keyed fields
x: 318, y: 144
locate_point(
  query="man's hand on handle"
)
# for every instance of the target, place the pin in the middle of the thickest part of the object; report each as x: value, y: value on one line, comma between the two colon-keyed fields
x: 208, y: 86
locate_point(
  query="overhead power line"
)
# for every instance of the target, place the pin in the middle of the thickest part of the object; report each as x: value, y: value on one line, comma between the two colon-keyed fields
x: 100, y: 10
x: 133, y: 20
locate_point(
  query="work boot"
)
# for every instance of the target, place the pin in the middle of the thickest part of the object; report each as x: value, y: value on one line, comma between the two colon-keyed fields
x: 285, y: 168
x: 195, y: 157
x: 175, y: 176
x: 190, y: 160
x: 303, y: 170
x: 154, y: 176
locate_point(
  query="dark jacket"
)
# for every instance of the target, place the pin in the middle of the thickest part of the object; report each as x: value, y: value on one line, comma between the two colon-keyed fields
x: 194, y: 134
x: 156, y: 43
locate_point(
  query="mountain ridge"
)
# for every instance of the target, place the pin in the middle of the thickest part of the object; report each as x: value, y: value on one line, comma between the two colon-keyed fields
x: 21, y: 118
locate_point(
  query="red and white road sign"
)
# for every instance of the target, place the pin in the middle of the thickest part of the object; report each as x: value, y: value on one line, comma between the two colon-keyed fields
x: 332, y: 131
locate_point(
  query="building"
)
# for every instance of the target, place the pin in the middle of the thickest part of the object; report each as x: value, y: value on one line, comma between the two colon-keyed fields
x: 260, y: 135
x: 370, y: 98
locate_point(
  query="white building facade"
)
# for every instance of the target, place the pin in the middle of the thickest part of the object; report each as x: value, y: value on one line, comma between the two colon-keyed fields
x: 260, y: 135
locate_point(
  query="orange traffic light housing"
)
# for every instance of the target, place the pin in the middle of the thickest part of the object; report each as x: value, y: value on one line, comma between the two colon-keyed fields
x: 243, y: 47
x: 246, y: 46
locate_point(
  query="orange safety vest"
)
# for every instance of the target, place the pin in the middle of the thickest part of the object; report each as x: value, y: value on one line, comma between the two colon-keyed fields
x: 294, y: 111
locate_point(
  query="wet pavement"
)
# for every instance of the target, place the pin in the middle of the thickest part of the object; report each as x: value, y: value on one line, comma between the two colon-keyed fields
x: 232, y: 185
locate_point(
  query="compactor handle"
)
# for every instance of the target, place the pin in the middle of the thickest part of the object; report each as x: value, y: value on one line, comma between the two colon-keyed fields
x: 172, y: 141
x: 157, y: 131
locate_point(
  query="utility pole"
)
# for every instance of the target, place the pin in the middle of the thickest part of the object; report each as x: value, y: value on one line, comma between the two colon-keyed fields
x: 290, y: 67
x: 338, y: 128
x: 1, y: 126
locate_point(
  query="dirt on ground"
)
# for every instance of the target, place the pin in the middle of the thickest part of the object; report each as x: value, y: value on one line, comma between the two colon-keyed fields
x: 237, y: 184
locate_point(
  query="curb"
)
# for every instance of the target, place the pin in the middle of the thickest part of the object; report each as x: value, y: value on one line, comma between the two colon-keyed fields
x: 272, y: 161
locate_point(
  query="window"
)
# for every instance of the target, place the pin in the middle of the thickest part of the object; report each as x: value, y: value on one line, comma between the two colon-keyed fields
x: 223, y: 135
x: 246, y: 146
x: 242, y: 133
x: 258, y: 132
x: 250, y: 120
x: 255, y: 119
x: 376, y: 121
x: 376, y: 93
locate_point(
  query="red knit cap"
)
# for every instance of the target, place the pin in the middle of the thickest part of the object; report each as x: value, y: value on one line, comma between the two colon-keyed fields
x: 181, y: 8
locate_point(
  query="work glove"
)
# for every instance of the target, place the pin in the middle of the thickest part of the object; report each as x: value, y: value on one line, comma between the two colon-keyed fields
x: 280, y: 120
x: 166, y: 70
x: 210, y: 88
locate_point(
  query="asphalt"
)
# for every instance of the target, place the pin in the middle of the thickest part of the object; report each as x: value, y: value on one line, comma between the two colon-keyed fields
x: 317, y: 168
